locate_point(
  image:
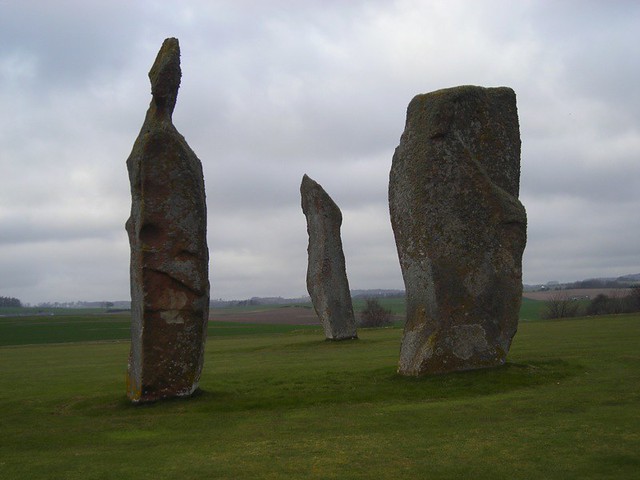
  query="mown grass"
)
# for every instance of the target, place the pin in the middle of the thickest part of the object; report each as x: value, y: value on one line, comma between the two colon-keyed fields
x: 63, y: 328
x: 289, y: 405
x: 531, y: 309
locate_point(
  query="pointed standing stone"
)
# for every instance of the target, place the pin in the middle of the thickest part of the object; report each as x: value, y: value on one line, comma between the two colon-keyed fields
x: 460, y: 229
x: 326, y: 274
x: 169, y: 256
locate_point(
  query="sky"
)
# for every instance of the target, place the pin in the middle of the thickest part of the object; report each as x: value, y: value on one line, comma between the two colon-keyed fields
x: 275, y: 89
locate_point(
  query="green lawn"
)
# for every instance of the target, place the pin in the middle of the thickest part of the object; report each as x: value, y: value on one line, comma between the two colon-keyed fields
x: 63, y: 328
x: 290, y: 405
x: 531, y: 309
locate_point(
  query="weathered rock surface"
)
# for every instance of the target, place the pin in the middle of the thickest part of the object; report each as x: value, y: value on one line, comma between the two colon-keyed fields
x: 169, y: 255
x: 326, y: 274
x: 460, y: 229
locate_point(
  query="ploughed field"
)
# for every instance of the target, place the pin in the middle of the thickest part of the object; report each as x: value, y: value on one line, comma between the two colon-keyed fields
x: 278, y: 401
x: 290, y: 315
x: 299, y: 314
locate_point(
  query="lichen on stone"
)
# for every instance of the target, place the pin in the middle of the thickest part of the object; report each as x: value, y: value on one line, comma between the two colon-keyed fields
x: 460, y: 229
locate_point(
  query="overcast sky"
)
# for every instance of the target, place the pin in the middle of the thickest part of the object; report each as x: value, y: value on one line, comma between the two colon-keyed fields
x: 275, y: 89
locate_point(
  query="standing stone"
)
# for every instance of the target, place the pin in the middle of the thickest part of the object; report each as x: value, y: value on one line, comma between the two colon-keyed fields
x: 326, y: 275
x: 460, y: 229
x: 169, y: 255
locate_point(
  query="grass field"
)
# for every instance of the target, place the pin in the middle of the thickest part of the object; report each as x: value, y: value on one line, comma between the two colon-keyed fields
x: 285, y: 404
x: 96, y: 328
x: 531, y: 309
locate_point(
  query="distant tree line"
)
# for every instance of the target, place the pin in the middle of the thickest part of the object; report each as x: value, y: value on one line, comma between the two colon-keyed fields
x: 604, y: 304
x: 596, y: 283
x: 10, y: 302
x: 564, y: 306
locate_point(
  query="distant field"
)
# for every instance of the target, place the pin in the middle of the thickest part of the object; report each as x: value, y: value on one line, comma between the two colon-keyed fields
x: 49, y: 311
x: 289, y: 315
x: 111, y: 327
x: 289, y: 405
x: 578, y: 293
x: 63, y: 328
x: 295, y: 314
x: 395, y: 304
x: 531, y: 309
x: 92, y: 327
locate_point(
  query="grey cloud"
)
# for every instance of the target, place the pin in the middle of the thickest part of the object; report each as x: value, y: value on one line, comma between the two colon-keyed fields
x: 304, y: 87
x: 66, y: 271
x: 601, y: 183
x: 19, y: 230
x: 69, y: 41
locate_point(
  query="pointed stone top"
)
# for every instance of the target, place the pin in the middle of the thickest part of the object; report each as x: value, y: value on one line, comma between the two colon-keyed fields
x: 306, y: 179
x: 311, y: 191
x: 309, y: 184
x: 165, y: 76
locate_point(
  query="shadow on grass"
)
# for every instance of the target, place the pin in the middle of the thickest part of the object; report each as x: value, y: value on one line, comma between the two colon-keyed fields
x: 330, y: 388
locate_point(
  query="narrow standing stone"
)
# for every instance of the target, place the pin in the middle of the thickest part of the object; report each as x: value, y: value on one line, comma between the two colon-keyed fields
x: 460, y: 229
x: 326, y: 274
x: 169, y: 256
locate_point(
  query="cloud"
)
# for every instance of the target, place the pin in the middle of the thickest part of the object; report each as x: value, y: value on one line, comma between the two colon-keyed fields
x: 65, y: 270
x: 273, y: 90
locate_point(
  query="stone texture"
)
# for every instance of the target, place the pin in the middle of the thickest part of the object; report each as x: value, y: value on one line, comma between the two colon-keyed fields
x: 169, y: 255
x: 460, y: 229
x: 326, y: 274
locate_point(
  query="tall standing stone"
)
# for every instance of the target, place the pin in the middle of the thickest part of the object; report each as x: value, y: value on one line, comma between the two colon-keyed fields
x: 326, y: 274
x: 460, y: 229
x: 169, y: 256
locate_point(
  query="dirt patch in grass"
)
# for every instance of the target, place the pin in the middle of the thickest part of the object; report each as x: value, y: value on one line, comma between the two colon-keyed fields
x: 277, y: 315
